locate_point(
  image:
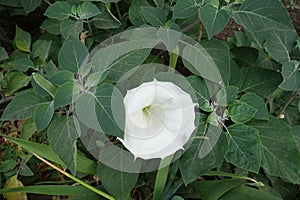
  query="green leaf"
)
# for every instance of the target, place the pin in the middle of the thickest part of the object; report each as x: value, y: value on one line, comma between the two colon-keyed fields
x: 8, y: 165
x: 184, y: 9
x: 241, y: 112
x: 30, y: 5
x: 244, y: 147
x: 85, y: 165
x: 227, y: 95
x: 214, y: 20
x: 41, y: 49
x: 220, y: 55
x: 11, y: 3
x: 202, y: 156
x: 278, y: 46
x: 154, y: 15
x: 59, y: 10
x: 105, y: 20
x: 51, y: 25
x: 66, y: 94
x: 22, y: 40
x: 71, y: 27
x: 280, y: 153
x: 43, y: 114
x: 296, y: 133
x: 62, y: 134
x: 200, y: 63
x: 126, y: 62
x: 258, y: 103
x: 44, y: 84
x: 200, y: 88
x: 51, y: 190
x: 253, y: 79
x: 100, y: 105
x: 3, y: 54
x: 61, y: 77
x: 22, y: 106
x: 88, y: 10
x: 291, y: 76
x: 248, y: 193
x: 123, y: 182
x: 94, y: 79
x: 72, y: 55
x: 135, y: 13
x: 245, y: 56
x: 20, y: 64
x: 262, y: 17
x: 28, y: 128
x: 16, y: 81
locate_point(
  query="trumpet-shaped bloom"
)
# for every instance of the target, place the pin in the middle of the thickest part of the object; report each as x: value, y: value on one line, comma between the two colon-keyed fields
x: 159, y: 119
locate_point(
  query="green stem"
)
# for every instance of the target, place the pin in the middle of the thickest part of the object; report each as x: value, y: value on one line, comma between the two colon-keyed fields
x: 75, y: 179
x: 173, y: 59
x: 161, y: 177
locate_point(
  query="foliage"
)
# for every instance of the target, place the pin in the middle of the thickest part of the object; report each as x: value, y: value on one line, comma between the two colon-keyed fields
x: 247, y: 141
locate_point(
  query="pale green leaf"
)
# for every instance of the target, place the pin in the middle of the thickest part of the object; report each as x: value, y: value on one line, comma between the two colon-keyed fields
x: 72, y: 55
x: 88, y: 10
x: 43, y: 114
x: 66, y: 94
x: 184, y: 9
x: 71, y: 27
x: 227, y: 95
x: 59, y: 10
x: 154, y: 15
x: 105, y: 20
x: 61, y: 77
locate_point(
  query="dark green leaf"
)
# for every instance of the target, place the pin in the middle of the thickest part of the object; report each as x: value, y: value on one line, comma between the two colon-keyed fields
x: 22, y: 40
x: 227, y: 95
x: 88, y: 10
x: 241, y: 112
x: 30, y: 5
x: 85, y: 165
x: 59, y: 10
x: 16, y: 3
x: 22, y: 106
x: 72, y: 55
x: 258, y: 103
x: 248, y: 193
x: 52, y: 190
x: 20, y: 64
x: 123, y: 182
x: 154, y: 15
x: 8, y: 165
x: 214, y: 20
x: 66, y: 94
x: 202, y: 156
x: 184, y: 9
x: 135, y: 13
x: 28, y: 128
x: 106, y: 20
x: 245, y: 56
x: 61, y: 77
x: 280, y: 153
x: 25, y: 170
x: 244, y: 147
x: 41, y: 49
x: 3, y: 54
x: 253, y: 79
x: 62, y: 134
x: 241, y: 39
x: 51, y: 25
x: 291, y: 76
x: 296, y: 133
x: 16, y: 81
x: 71, y: 27
x: 43, y: 114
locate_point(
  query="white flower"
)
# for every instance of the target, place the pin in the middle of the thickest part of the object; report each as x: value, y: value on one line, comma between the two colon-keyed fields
x: 159, y: 119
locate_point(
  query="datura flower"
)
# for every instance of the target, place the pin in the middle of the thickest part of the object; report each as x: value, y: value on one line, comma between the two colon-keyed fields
x: 159, y: 119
